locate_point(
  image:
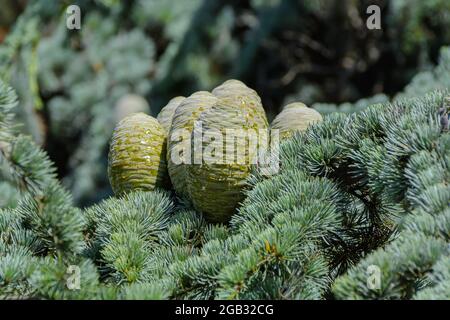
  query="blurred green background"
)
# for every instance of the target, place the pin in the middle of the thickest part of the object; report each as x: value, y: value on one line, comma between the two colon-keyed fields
x: 136, y: 55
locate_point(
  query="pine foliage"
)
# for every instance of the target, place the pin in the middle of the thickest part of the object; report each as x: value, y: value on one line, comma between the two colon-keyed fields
x: 359, y: 190
x: 363, y: 194
x: 44, y: 229
x: 69, y: 81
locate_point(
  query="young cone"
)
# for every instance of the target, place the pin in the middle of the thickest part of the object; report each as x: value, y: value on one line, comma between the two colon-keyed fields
x: 295, y: 117
x: 137, y: 154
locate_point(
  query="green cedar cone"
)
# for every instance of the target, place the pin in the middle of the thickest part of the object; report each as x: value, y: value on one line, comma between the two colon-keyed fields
x: 215, y: 187
x: 295, y: 116
x: 166, y: 114
x: 137, y: 154
x: 183, y: 120
x: 237, y: 88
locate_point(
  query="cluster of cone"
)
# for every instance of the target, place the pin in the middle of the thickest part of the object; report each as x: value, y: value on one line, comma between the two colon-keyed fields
x: 142, y: 148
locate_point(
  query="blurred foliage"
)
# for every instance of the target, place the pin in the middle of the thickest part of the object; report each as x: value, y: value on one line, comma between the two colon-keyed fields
x: 435, y: 78
x: 318, y: 52
x: 347, y: 107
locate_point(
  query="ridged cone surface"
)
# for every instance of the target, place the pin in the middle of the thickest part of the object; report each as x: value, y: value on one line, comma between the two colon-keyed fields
x: 166, y: 114
x: 237, y: 88
x: 215, y: 189
x: 185, y: 115
x: 295, y: 117
x: 137, y: 155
